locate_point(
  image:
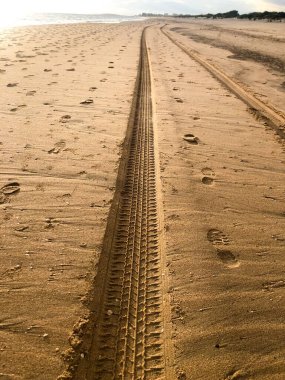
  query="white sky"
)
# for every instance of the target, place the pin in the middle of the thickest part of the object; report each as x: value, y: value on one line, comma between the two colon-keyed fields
x: 129, y: 7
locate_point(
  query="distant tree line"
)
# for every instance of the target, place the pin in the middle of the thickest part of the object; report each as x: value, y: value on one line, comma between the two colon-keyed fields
x: 270, y: 16
x: 264, y: 16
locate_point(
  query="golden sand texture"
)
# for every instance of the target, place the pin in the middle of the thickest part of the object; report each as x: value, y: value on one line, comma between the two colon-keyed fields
x: 66, y: 97
x: 223, y: 189
x: 65, y: 101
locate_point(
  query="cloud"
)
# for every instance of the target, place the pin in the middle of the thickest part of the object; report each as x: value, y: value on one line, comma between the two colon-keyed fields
x: 271, y: 5
x: 195, y: 7
x: 177, y: 6
x: 155, y: 6
x: 278, y: 2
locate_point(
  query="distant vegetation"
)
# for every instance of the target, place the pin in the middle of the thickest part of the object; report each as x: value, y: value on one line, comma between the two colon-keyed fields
x: 264, y: 16
x: 270, y: 16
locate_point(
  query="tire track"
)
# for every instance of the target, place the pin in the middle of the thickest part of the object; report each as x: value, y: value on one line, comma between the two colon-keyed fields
x: 266, y: 112
x: 127, y: 337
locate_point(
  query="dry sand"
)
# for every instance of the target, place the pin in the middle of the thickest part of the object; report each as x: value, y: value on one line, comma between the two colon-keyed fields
x: 64, y: 155
x: 222, y: 195
x: 224, y: 222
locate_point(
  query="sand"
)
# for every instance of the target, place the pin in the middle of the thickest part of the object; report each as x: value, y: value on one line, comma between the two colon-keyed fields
x: 66, y: 94
x: 64, y: 155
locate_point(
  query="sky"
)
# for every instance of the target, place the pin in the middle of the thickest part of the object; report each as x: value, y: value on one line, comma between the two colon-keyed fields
x: 133, y: 7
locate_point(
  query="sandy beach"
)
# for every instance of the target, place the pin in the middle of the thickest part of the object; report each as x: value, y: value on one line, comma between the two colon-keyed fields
x: 213, y: 180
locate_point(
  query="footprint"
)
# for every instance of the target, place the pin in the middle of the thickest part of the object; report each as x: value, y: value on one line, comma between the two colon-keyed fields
x: 209, y: 176
x: 31, y: 93
x: 178, y: 100
x: 191, y: 139
x: 7, y: 190
x: 57, y: 147
x: 207, y: 180
x: 12, y: 84
x: 217, y: 237
x: 236, y: 375
x: 87, y: 101
x: 65, y: 118
x: 10, y: 188
x: 208, y: 172
x: 227, y: 257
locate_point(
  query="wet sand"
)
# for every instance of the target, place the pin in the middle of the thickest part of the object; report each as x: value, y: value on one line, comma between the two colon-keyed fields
x: 66, y: 94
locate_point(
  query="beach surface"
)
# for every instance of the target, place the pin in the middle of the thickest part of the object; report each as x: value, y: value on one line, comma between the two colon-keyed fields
x: 67, y: 107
